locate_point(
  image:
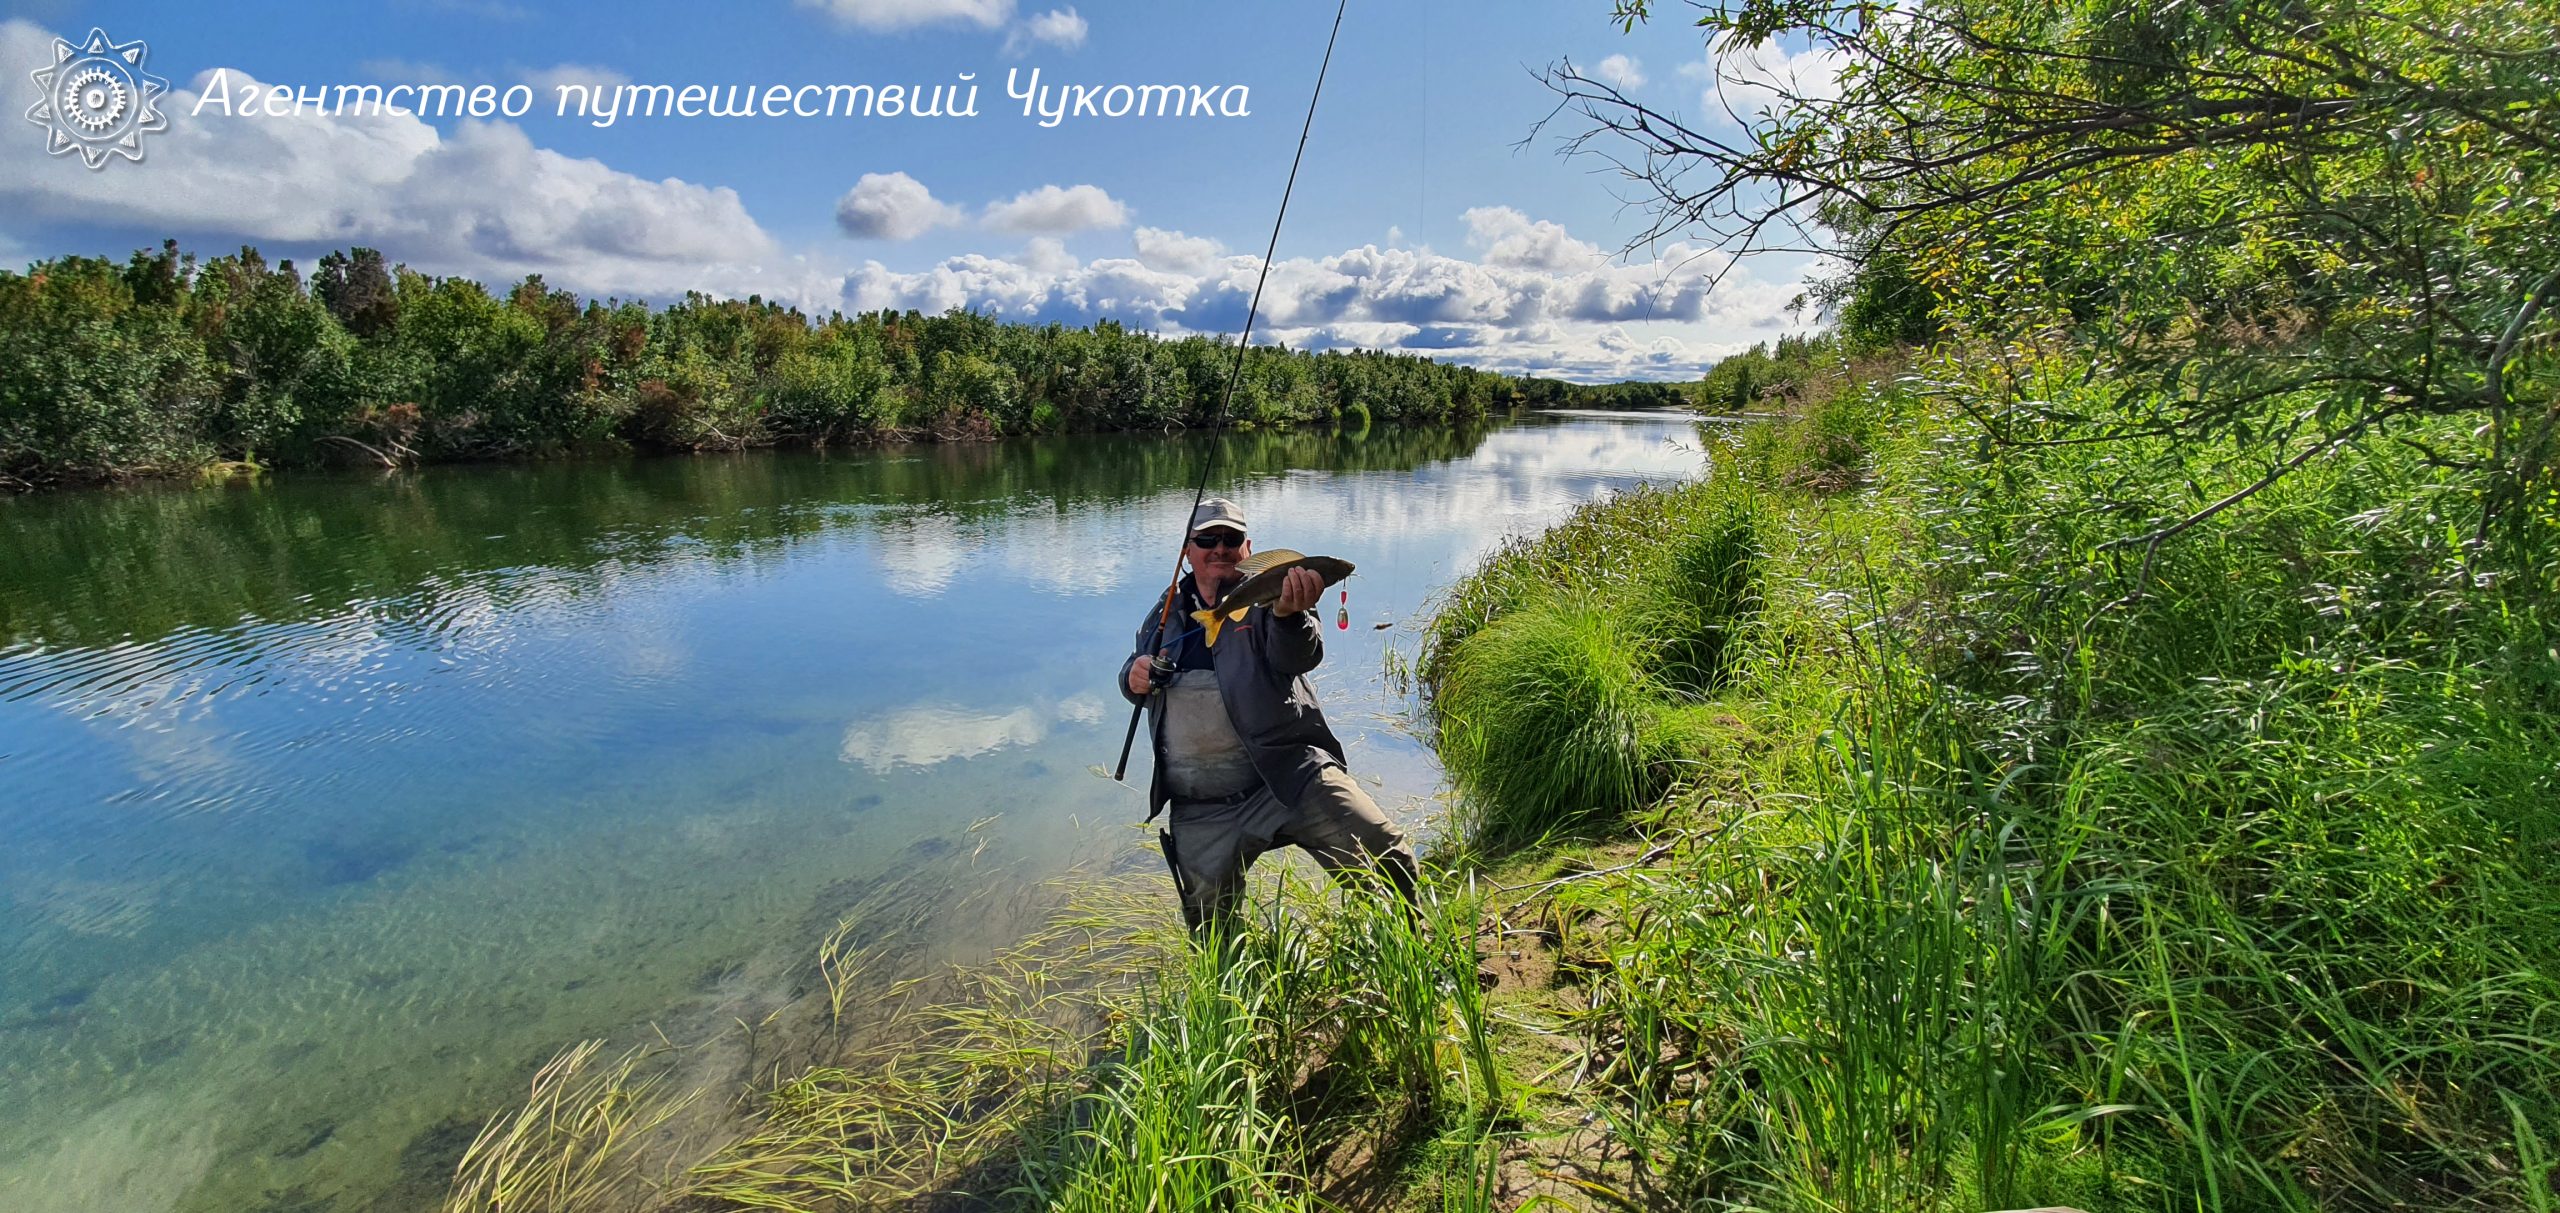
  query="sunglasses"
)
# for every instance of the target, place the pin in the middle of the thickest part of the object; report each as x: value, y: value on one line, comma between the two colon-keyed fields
x: 1213, y: 540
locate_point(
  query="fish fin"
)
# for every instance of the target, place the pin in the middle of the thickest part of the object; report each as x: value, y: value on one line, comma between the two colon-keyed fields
x: 1238, y: 613
x: 1212, y: 621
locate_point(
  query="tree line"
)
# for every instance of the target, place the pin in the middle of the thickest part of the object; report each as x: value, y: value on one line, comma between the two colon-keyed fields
x: 166, y: 363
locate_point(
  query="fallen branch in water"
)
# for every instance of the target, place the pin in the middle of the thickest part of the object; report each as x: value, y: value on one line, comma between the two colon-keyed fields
x: 387, y: 461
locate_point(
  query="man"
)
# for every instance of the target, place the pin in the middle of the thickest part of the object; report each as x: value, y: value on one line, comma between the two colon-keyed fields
x: 1243, y: 755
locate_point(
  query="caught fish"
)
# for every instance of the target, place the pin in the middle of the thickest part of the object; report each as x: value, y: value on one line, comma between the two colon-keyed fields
x: 1261, y: 574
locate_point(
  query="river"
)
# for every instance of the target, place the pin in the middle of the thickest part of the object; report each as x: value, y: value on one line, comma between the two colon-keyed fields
x: 335, y: 804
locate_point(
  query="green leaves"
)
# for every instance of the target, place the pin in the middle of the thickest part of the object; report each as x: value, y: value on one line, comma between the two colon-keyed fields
x: 2250, y: 211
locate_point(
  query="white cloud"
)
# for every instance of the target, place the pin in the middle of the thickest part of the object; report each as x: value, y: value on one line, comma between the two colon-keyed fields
x: 480, y: 200
x: 1075, y: 208
x: 1048, y: 255
x: 1510, y: 238
x: 891, y: 15
x: 1059, y: 27
x: 1540, y: 301
x: 1745, y: 83
x: 1622, y: 71
x: 891, y: 206
x: 1164, y: 250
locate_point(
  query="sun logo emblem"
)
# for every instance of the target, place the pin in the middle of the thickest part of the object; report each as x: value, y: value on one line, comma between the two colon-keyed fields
x: 97, y: 99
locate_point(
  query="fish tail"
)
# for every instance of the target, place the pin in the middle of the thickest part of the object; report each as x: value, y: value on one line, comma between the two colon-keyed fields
x: 1212, y: 621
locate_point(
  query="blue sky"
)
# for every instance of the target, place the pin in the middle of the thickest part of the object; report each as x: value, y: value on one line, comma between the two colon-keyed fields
x: 1418, y: 221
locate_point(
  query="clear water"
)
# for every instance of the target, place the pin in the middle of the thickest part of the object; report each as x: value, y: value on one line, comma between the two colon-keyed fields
x: 331, y: 807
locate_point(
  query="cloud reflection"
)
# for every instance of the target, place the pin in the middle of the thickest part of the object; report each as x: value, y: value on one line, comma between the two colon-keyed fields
x: 929, y: 734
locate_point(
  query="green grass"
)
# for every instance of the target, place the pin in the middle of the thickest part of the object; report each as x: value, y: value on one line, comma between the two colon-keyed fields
x: 1563, y: 679
x: 2010, y: 868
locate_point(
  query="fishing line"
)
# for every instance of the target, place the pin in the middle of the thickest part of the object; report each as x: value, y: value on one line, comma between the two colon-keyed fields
x: 1209, y: 464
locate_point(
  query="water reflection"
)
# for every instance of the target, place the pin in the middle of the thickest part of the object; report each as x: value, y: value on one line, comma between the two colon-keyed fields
x: 925, y: 735
x: 334, y: 804
x: 92, y: 569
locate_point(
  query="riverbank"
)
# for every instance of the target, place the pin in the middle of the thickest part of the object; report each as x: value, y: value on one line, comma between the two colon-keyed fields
x: 171, y: 367
x: 1858, y: 830
x: 1926, y: 845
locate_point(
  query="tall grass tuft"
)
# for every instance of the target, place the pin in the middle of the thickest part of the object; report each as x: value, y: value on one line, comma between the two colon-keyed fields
x: 1542, y: 719
x: 1189, y: 1115
x: 1566, y: 677
x: 1703, y: 597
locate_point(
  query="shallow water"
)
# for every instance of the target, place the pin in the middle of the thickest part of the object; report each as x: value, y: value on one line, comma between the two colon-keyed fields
x: 336, y: 805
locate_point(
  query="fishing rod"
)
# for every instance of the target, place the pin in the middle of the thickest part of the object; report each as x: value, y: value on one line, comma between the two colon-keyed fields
x: 1173, y: 588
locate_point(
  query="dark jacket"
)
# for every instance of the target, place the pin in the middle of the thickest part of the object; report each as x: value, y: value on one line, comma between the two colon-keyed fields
x: 1261, y: 661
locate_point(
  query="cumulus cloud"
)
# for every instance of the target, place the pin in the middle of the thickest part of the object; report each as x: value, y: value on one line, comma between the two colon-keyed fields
x: 928, y: 734
x: 1745, y: 83
x: 1622, y: 71
x: 480, y: 200
x: 1508, y: 238
x: 1538, y: 300
x: 891, y: 206
x: 1059, y: 27
x: 1048, y: 255
x: 1075, y: 208
x: 1164, y: 250
x: 893, y: 15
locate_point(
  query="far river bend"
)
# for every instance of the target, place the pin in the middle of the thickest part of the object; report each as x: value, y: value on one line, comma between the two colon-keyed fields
x: 334, y: 805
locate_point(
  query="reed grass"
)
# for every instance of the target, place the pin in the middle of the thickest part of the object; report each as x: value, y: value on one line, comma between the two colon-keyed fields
x: 569, y: 1148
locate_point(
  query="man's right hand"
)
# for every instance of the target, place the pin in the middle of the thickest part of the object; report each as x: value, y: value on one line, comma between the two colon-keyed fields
x: 1138, y: 679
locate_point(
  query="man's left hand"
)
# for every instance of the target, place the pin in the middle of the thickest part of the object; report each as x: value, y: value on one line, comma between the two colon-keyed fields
x: 1298, y: 591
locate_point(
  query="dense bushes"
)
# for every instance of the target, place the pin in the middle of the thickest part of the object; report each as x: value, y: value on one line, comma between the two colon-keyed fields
x: 164, y: 364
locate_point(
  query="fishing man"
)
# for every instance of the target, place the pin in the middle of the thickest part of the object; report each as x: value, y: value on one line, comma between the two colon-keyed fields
x: 1243, y: 755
